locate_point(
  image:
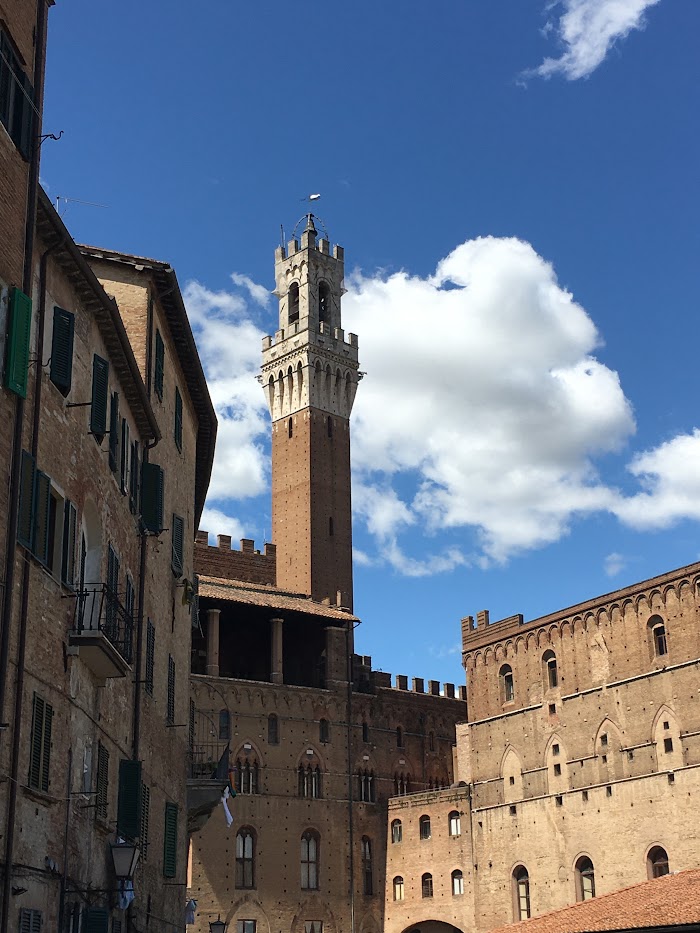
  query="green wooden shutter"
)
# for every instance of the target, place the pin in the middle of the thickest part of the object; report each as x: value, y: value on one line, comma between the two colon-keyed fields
x: 170, y: 711
x: 145, y: 814
x: 134, y: 477
x: 18, y: 334
x: 178, y: 419
x: 150, y: 655
x: 176, y: 560
x: 129, y: 803
x: 126, y: 449
x: 113, y: 431
x: 96, y: 920
x: 70, y: 520
x: 42, y: 503
x: 62, y: 349
x: 170, y: 841
x: 152, y: 482
x: 159, y: 365
x: 102, y: 799
x: 98, y: 408
x: 25, y: 522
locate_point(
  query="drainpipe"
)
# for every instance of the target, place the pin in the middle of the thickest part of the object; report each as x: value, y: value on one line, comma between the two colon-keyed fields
x: 351, y: 814
x: 30, y: 228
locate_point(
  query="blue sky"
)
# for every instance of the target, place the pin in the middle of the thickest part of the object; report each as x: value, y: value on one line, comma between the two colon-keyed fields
x: 515, y: 183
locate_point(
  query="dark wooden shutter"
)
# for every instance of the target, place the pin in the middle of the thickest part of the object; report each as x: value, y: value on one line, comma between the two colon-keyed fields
x: 152, y: 482
x: 29, y: 921
x: 25, y: 523
x: 102, y: 788
x: 18, y: 334
x: 150, y: 655
x: 112, y: 571
x: 42, y: 503
x: 113, y: 431
x: 159, y: 365
x: 100, y: 386
x: 170, y: 712
x: 178, y: 419
x: 62, y: 349
x: 170, y: 841
x: 129, y: 804
x: 134, y: 478
x: 96, y: 920
x: 124, y: 478
x: 176, y: 560
x: 145, y: 814
x: 24, y: 121
x: 70, y: 521
x: 40, y: 749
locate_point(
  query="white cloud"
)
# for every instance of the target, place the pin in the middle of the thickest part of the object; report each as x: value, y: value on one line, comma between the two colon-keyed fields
x: 258, y: 293
x: 588, y: 29
x: 483, y: 402
x: 218, y: 522
x: 670, y: 477
x: 614, y: 563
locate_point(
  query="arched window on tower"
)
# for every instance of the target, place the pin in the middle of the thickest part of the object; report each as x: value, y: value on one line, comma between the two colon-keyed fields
x: 398, y: 888
x: 549, y: 670
x: 657, y: 637
x: 424, y: 827
x: 293, y: 300
x: 396, y: 831
x: 224, y: 724
x: 521, y: 893
x: 507, y: 686
x: 329, y: 426
x: 246, y: 776
x: 457, y: 882
x: 365, y: 785
x: 310, y: 785
x: 399, y: 737
x: 657, y: 862
x: 309, y: 860
x: 245, y: 858
x: 367, y: 874
x: 585, y: 879
x: 426, y: 884
x: 273, y: 729
x: 324, y: 303
x: 402, y: 783
x: 455, y: 823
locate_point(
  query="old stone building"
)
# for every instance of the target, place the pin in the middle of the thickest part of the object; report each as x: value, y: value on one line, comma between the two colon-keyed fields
x: 106, y: 444
x: 317, y: 741
x: 578, y: 767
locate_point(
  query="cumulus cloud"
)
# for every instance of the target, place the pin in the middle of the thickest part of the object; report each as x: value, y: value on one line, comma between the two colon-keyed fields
x: 483, y: 399
x: 258, y: 293
x: 614, y: 563
x: 670, y: 479
x: 587, y: 30
x: 217, y: 522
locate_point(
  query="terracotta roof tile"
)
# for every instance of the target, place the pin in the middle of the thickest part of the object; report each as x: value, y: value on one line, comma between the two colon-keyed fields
x: 673, y: 900
x: 258, y: 594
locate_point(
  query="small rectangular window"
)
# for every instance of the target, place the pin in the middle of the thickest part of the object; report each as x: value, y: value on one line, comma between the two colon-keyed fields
x: 555, y: 749
x: 61, y: 372
x: 608, y: 791
x: 604, y: 739
x: 98, y: 405
x: 557, y: 770
x: 159, y: 366
x: 178, y: 419
x: 310, y: 926
x: 16, y: 100
x: 559, y: 800
x: 584, y: 796
x: 40, y: 751
x: 170, y: 712
x: 513, y: 810
x: 668, y: 745
x: 511, y: 780
x: 170, y: 841
x: 245, y: 926
x: 552, y: 709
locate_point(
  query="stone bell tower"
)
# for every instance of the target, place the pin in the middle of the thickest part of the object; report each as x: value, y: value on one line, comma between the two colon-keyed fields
x: 310, y: 376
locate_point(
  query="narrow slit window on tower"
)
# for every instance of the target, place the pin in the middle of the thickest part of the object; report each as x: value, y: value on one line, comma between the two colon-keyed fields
x: 329, y: 426
x: 290, y: 428
x: 330, y: 526
x: 293, y: 303
x: 324, y: 300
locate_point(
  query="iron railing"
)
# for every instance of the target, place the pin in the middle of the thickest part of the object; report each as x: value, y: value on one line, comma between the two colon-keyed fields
x: 98, y: 609
x: 208, y: 750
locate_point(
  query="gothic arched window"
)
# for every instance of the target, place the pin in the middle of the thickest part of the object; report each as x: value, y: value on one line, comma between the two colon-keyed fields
x: 310, y: 844
x: 457, y: 882
x: 402, y: 783
x: 455, y: 823
x: 424, y: 827
x: 549, y: 670
x: 657, y: 862
x: 310, y: 781
x: 396, y: 831
x: 246, y: 776
x: 507, y: 686
x: 293, y: 303
x: 658, y: 636
x: 245, y: 858
x: 365, y: 781
x: 398, y: 888
x: 324, y: 302
x: 367, y: 875
x: 273, y: 729
x: 521, y: 893
x: 426, y: 885
x: 585, y: 879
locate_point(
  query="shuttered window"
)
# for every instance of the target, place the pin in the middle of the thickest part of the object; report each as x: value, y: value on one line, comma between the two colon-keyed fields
x: 124, y: 478
x: 25, y: 522
x: 18, y: 334
x: 70, y: 522
x: 176, y: 561
x: 16, y: 99
x: 152, y: 483
x: 145, y: 816
x: 170, y: 713
x: 114, y: 431
x: 40, y: 749
x: 96, y: 920
x: 112, y: 571
x: 129, y: 803
x: 42, y: 503
x: 29, y: 921
x: 134, y: 478
x: 170, y: 841
x: 159, y: 365
x: 178, y: 419
x: 98, y: 407
x: 102, y: 783
x: 150, y: 655
x: 62, y: 349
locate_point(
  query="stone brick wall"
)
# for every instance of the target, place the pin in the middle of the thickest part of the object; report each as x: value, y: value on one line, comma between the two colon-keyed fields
x: 246, y: 565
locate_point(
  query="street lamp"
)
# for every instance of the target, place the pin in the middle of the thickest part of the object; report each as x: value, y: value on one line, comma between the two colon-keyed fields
x: 125, y: 856
x: 217, y: 926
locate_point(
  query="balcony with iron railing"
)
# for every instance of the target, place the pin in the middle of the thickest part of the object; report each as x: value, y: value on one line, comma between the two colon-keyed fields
x: 103, y: 630
x: 208, y: 767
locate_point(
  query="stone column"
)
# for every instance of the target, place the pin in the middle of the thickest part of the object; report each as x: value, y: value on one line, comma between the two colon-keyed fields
x: 276, y: 653
x: 213, y: 642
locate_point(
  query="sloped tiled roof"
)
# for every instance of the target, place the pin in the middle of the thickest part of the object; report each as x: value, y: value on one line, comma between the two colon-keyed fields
x: 257, y: 594
x: 671, y: 901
